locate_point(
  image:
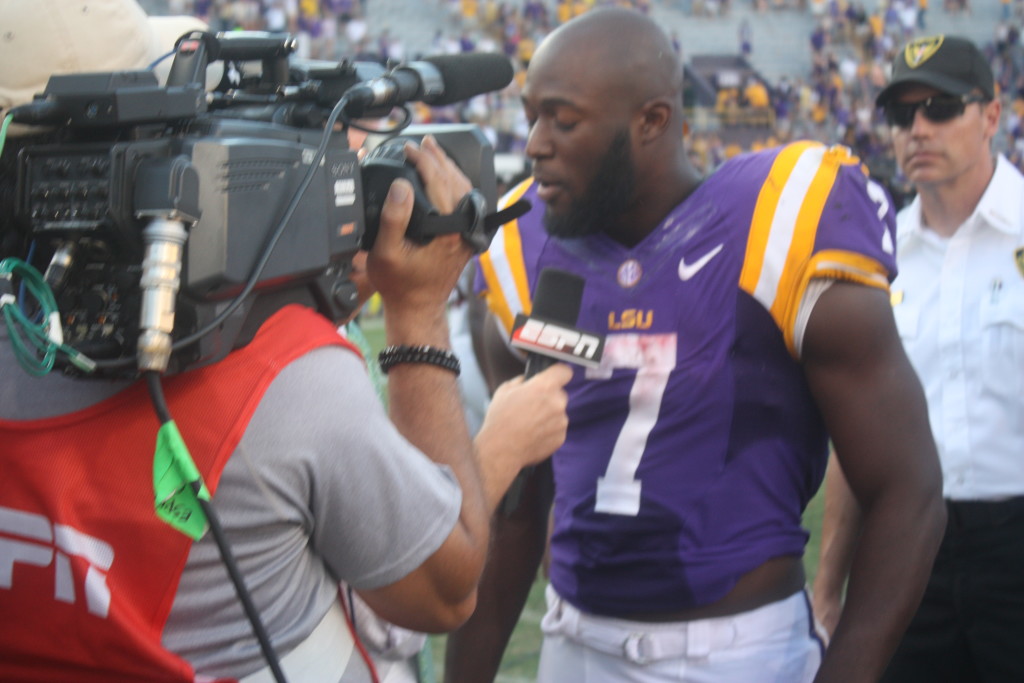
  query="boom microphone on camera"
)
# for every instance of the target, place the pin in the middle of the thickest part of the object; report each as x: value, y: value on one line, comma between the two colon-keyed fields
x: 434, y: 80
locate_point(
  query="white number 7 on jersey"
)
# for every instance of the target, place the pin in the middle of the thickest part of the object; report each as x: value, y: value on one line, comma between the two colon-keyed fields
x: 654, y: 357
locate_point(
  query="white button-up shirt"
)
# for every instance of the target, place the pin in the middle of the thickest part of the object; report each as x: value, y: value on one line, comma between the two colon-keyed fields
x: 959, y: 307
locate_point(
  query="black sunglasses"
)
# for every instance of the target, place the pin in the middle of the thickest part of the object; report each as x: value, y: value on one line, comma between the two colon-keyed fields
x: 937, y: 109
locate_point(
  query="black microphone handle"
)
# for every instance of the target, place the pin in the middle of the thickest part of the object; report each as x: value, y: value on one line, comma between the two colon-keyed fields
x: 536, y: 363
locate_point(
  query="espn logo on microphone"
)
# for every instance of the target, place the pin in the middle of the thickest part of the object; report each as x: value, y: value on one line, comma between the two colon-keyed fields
x: 557, y: 341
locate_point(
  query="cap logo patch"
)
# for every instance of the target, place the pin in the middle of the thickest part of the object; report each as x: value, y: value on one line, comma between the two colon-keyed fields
x: 919, y: 51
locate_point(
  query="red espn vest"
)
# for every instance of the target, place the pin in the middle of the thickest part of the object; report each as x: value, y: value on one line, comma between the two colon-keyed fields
x: 88, y: 573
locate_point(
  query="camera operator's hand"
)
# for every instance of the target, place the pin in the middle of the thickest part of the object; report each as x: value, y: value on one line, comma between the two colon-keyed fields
x: 443, y: 182
x: 415, y: 280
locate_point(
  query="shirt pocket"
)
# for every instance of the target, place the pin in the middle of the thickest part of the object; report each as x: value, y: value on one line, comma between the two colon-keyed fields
x: 907, y: 320
x: 1002, y: 340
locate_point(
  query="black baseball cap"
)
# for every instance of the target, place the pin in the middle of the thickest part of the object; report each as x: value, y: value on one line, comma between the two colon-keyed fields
x: 951, y: 64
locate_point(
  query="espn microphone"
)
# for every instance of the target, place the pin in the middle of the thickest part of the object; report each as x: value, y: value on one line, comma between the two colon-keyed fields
x: 557, y: 299
x: 548, y: 334
x: 441, y: 80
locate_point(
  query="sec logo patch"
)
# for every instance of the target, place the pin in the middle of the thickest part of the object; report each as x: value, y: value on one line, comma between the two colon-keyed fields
x: 629, y: 273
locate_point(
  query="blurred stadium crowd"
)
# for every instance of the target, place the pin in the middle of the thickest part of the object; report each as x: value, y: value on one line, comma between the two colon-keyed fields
x: 850, y: 44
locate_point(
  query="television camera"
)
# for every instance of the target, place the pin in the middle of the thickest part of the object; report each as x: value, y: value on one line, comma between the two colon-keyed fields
x: 174, y: 220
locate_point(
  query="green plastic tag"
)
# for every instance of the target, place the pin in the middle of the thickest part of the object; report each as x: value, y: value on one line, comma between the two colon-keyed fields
x: 173, y: 473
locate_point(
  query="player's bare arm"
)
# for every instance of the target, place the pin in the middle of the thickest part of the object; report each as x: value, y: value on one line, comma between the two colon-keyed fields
x: 874, y: 407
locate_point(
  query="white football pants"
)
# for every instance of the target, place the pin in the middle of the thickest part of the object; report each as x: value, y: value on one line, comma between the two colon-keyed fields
x: 776, y: 643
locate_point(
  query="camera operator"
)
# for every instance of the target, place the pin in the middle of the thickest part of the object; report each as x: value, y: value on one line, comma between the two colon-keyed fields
x: 312, y: 482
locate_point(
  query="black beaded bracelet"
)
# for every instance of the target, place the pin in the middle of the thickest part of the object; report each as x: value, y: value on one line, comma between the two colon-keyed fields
x: 431, y: 355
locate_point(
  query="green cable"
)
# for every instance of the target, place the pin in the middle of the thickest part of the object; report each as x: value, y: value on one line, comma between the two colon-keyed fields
x: 35, y: 344
x: 3, y: 131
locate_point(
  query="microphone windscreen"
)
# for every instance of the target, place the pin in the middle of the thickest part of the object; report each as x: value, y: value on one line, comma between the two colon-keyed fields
x: 556, y: 299
x: 558, y: 296
x: 471, y: 74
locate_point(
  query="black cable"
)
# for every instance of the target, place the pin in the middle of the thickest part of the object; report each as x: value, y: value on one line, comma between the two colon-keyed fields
x: 156, y: 395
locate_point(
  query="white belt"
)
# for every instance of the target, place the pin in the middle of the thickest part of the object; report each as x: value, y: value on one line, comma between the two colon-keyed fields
x: 320, y: 658
x: 645, y: 642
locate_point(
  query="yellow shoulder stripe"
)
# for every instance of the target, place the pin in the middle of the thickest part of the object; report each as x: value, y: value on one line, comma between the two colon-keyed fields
x: 504, y: 270
x: 848, y: 266
x: 784, y: 227
x: 767, y: 203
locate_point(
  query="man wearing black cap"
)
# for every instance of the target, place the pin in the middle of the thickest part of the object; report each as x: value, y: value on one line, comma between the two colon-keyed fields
x: 959, y: 306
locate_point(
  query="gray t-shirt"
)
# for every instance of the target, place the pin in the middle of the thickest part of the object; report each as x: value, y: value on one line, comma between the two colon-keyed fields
x: 321, y: 488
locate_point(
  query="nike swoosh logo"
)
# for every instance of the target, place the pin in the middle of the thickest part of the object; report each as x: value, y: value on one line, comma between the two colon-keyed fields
x: 688, y: 270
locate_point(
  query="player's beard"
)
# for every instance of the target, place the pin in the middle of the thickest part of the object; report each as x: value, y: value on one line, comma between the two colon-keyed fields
x: 608, y: 195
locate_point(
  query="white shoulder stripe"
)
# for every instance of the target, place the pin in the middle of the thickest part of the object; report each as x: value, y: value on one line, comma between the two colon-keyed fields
x: 784, y: 223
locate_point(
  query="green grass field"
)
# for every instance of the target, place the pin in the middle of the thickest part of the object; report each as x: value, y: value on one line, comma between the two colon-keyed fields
x: 519, y: 664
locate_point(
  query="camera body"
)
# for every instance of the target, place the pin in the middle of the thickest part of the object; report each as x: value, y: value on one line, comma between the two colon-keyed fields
x: 237, y: 169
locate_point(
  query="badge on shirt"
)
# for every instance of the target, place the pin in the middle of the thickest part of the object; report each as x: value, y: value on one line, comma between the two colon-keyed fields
x: 896, y: 297
x: 629, y: 273
x: 1018, y: 256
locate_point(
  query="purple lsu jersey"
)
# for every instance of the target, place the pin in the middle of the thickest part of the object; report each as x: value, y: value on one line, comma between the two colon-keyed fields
x: 694, y: 448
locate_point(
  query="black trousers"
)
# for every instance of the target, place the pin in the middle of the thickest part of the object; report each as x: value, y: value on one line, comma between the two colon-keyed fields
x: 970, y: 625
